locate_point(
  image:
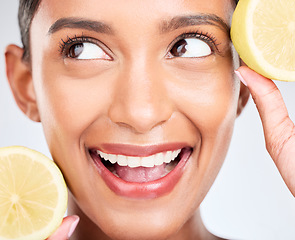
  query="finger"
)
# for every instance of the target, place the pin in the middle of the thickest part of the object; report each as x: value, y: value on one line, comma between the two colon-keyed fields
x: 66, y: 229
x: 278, y: 127
x: 271, y: 107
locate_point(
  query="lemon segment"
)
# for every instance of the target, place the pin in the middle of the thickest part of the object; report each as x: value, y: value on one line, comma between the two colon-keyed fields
x: 263, y: 33
x: 33, y: 195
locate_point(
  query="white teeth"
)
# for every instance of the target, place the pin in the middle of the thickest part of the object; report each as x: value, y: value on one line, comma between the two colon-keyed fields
x: 112, y: 158
x: 159, y: 159
x: 174, y: 154
x: 122, y: 160
x: 133, y: 162
x: 148, y: 161
x: 167, y: 158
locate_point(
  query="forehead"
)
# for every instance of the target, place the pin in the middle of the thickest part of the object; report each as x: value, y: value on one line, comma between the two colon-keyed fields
x: 132, y: 12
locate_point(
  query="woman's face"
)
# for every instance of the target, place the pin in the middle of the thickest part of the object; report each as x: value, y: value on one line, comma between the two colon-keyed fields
x: 140, y: 81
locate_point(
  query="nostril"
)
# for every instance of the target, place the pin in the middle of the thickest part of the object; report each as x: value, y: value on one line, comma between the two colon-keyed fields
x: 139, y: 117
x: 141, y: 102
x: 140, y: 121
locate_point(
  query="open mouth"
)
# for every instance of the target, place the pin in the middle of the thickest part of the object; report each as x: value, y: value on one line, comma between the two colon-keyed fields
x: 141, y: 169
x: 141, y: 176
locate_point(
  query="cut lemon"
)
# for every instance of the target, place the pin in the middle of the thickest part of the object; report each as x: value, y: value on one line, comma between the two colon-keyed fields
x: 263, y: 33
x: 33, y: 194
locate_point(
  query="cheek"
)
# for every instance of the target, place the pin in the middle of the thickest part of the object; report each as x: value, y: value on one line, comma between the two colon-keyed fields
x: 210, y: 104
x: 68, y: 106
x: 209, y: 94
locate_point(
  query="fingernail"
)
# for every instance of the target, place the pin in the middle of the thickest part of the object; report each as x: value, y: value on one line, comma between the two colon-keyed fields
x: 241, y: 78
x: 73, y: 227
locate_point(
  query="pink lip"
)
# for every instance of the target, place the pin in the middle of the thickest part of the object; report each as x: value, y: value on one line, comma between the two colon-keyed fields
x: 147, y: 190
x: 139, y: 151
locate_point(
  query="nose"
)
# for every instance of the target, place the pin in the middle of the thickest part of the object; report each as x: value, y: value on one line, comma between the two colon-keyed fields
x: 141, y: 100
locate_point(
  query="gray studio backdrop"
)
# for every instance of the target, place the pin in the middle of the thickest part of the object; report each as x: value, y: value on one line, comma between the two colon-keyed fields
x: 248, y: 200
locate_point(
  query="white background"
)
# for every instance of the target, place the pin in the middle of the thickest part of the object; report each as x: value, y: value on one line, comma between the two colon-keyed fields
x: 248, y: 200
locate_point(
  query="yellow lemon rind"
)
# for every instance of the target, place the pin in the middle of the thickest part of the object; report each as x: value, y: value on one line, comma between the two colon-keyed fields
x: 242, y: 38
x: 61, y: 185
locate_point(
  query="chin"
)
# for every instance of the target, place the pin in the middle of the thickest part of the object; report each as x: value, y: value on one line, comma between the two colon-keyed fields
x: 143, y: 230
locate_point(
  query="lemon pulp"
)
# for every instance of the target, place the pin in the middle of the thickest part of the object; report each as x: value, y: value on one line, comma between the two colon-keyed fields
x: 263, y: 33
x: 33, y: 194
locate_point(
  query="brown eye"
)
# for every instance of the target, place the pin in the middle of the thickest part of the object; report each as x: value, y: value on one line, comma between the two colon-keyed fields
x: 76, y: 50
x: 190, y: 48
x: 179, y: 48
x: 87, y: 51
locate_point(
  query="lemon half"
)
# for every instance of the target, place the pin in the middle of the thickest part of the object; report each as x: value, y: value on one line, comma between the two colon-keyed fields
x: 33, y: 194
x: 263, y: 33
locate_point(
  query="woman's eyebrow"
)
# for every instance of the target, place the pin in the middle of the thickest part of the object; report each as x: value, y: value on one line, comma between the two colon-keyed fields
x: 191, y: 20
x: 80, y: 23
x: 165, y: 26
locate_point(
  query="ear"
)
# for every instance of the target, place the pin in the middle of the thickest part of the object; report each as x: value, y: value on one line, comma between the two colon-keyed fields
x: 244, y: 95
x: 19, y: 76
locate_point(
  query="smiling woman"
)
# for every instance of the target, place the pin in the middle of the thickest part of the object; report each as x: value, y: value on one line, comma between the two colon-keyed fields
x: 112, y: 99
x: 138, y: 101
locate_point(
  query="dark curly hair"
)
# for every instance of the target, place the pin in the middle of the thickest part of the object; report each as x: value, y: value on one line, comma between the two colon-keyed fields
x: 26, y: 11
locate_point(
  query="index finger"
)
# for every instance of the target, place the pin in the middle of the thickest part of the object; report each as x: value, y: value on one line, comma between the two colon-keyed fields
x: 279, y: 130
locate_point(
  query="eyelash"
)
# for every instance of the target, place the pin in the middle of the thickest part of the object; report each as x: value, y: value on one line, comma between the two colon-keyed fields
x: 204, y: 36
x: 65, y: 45
x: 209, y: 38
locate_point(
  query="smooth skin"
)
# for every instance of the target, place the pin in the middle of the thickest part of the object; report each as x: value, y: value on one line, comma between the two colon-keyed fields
x: 136, y: 93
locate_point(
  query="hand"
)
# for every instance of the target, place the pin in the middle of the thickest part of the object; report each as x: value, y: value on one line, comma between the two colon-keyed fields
x: 279, y: 130
x: 66, y: 229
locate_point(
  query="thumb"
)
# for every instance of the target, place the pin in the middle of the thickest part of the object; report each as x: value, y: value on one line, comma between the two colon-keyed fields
x: 66, y: 229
